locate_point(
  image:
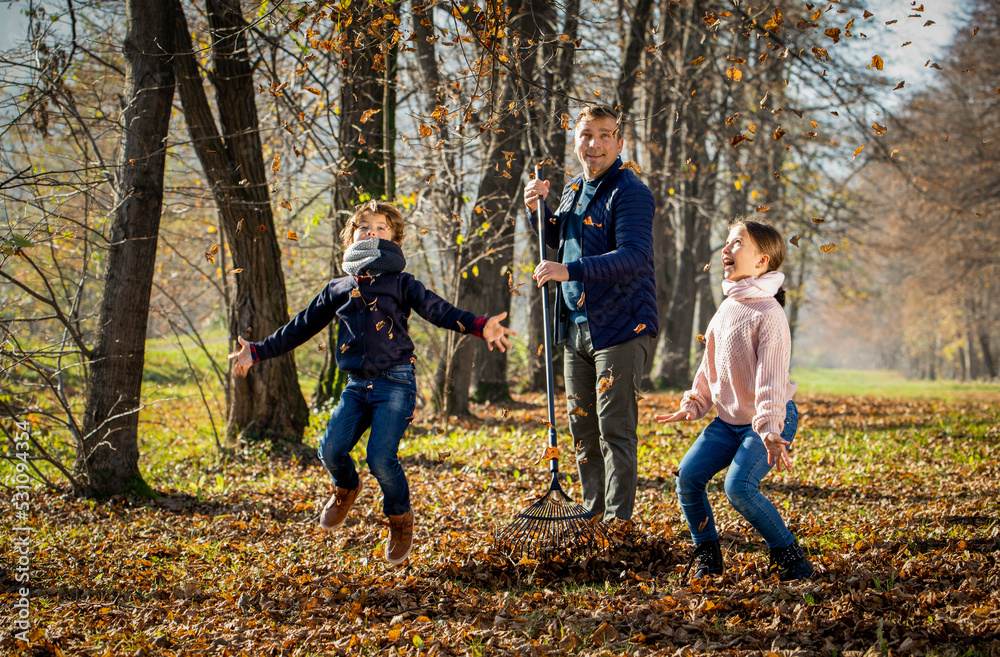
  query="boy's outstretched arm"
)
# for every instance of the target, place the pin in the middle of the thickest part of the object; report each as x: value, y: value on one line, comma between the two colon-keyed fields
x: 242, y: 359
x: 495, y: 334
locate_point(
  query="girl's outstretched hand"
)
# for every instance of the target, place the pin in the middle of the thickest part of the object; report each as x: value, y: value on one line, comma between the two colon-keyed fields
x: 495, y: 334
x: 674, y: 417
x: 777, y: 455
x: 242, y: 359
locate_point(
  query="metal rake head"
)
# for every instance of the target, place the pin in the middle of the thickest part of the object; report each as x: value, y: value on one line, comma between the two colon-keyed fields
x: 553, y: 525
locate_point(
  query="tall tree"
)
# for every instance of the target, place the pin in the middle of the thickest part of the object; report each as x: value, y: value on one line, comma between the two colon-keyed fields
x: 108, y: 456
x: 267, y: 404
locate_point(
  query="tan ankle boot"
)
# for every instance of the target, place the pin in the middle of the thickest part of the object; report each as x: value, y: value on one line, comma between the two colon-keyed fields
x: 335, y: 512
x: 400, y: 538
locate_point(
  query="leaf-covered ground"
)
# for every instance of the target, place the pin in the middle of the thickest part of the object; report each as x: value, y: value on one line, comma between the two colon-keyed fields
x: 896, y: 501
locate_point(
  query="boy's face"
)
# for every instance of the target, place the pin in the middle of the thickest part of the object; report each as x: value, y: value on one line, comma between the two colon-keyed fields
x: 372, y: 225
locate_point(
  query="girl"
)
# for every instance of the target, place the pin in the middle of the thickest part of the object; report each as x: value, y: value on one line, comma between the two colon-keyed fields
x: 372, y: 305
x: 744, y: 374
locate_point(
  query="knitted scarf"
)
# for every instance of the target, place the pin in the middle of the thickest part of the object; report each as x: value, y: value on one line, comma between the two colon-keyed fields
x: 373, y: 257
x: 754, y: 287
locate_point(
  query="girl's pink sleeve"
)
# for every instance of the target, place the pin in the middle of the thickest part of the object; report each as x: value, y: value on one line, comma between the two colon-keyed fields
x: 698, y: 400
x: 774, y: 353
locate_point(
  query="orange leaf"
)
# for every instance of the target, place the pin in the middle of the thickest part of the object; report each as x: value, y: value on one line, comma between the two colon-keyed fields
x: 826, y: 248
x: 877, y: 62
x: 285, y: 204
x: 276, y: 164
x: 701, y: 338
x: 292, y: 236
x: 369, y: 114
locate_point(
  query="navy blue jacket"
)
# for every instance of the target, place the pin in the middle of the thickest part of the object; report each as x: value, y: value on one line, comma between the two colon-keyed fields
x: 373, y: 314
x: 616, y: 268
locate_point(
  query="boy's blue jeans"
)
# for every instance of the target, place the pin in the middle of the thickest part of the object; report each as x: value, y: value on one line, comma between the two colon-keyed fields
x: 742, y: 450
x: 384, y: 403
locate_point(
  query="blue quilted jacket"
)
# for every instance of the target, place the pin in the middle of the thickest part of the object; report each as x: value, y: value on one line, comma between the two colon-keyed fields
x: 617, y: 264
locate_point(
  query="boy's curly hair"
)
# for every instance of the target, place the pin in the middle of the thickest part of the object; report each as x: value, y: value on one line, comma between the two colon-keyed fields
x: 388, y: 210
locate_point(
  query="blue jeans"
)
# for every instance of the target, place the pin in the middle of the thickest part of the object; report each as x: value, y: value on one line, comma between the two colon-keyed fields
x: 384, y: 403
x: 742, y: 450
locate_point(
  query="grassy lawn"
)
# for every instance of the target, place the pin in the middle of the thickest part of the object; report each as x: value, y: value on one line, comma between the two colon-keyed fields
x: 894, y: 495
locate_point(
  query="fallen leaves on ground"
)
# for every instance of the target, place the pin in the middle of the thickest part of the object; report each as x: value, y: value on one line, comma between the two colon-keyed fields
x: 895, y: 501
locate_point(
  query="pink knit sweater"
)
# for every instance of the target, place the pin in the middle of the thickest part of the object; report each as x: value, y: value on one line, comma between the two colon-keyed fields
x: 744, y: 373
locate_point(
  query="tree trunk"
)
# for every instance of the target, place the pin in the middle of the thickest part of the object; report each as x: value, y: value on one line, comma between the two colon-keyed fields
x: 267, y: 404
x: 550, y: 123
x: 108, y: 458
x: 367, y: 141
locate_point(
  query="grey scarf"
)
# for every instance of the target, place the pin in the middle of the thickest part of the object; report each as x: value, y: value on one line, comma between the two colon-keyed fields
x: 373, y: 257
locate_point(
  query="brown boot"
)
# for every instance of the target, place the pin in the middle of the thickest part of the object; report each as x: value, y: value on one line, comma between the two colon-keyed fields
x: 335, y: 512
x: 400, y: 538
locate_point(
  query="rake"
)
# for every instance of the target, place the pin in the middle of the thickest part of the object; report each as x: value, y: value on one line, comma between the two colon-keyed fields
x: 554, y: 524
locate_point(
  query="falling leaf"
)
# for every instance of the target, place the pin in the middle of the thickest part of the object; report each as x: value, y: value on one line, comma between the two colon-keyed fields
x: 605, y: 383
x: 631, y: 165
x: 579, y: 304
x: 355, y: 293
x: 868, y: 14
x: 795, y: 240
x: 344, y: 347
x: 833, y: 33
x: 856, y: 151
x: 443, y: 455
x: 639, y: 328
x: 818, y: 220
x: 511, y: 285
x: 762, y: 208
x: 826, y: 248
x: 899, y: 85
x: 928, y: 23
x: 292, y: 236
x: 285, y: 204
x: 706, y: 267
x: 549, y: 453
x: 367, y: 114
x: 424, y: 131
x: 704, y: 523
x: 879, y: 129
x: 701, y: 338
x: 736, y: 140
x: 276, y: 163
x: 578, y: 411
x: 590, y: 222
x: 877, y: 62
x: 239, y: 226
x: 697, y: 60
x: 313, y: 90
x: 504, y: 413
x: 379, y: 325
x: 540, y: 348
x: 461, y: 327
x: 778, y: 133
x: 734, y: 74
x: 235, y: 270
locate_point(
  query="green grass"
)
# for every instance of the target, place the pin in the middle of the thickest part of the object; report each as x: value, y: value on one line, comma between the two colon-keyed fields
x: 886, y: 383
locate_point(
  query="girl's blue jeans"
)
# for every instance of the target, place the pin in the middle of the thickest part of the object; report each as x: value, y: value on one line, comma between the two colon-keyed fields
x: 742, y: 450
x: 385, y: 404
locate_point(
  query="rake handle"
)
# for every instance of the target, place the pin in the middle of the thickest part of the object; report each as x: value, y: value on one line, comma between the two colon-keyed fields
x: 547, y: 323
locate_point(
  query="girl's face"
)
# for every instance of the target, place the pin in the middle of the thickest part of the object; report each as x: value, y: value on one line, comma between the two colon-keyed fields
x: 372, y: 225
x: 740, y: 257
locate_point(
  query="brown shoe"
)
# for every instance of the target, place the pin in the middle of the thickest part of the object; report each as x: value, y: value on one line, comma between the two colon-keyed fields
x: 400, y: 538
x: 335, y: 512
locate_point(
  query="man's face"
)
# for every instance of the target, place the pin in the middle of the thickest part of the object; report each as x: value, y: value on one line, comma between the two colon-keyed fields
x: 597, y: 145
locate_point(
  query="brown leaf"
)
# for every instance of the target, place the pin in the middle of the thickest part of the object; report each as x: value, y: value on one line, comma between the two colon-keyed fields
x: 701, y: 338
x: 795, y: 240
x: 639, y: 328
x: 818, y: 220
x: 577, y: 410
x: 367, y: 114
x: 762, y: 208
x: 276, y: 163
x: 778, y: 133
x: 235, y: 270
x: 899, y: 85
x: 285, y: 204
x: 706, y: 267
x: 704, y: 523
x: 631, y: 165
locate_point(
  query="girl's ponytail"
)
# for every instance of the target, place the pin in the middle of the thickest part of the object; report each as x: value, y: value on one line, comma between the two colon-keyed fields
x: 780, y: 296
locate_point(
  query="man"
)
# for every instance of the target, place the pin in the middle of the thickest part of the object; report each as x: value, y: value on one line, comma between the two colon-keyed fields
x: 605, y: 306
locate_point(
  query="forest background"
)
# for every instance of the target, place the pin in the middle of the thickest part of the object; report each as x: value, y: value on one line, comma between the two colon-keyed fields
x: 174, y: 173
